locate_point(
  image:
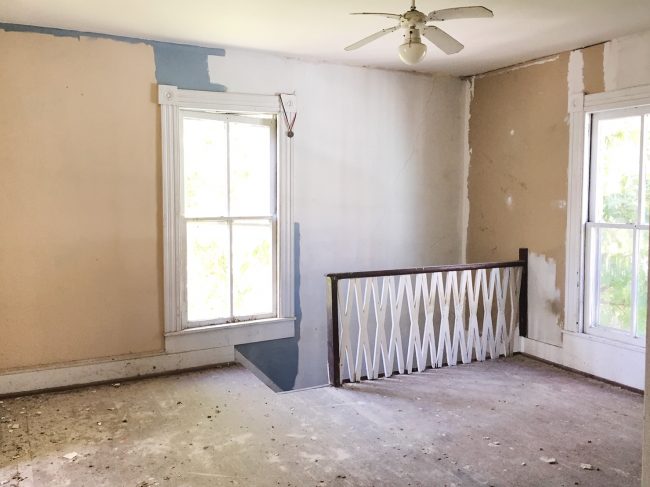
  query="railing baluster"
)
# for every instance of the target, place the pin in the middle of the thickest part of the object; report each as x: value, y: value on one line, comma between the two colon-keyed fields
x: 380, y: 303
x: 473, y: 334
x: 363, y: 342
x: 503, y: 293
x: 413, y: 295
x: 429, y: 334
x: 395, y: 350
x: 444, y: 337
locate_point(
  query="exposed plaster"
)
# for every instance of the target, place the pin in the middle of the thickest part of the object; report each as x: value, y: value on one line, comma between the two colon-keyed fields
x: 467, y: 155
x: 180, y: 65
x: 609, y: 66
x: 544, y: 306
x: 517, y: 67
x: 575, y: 77
x: 626, y: 61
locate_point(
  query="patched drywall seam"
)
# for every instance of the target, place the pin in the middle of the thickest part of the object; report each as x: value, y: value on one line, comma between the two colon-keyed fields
x: 575, y: 77
x: 609, y: 65
x: 627, y: 61
x: 179, y: 65
x: 517, y: 67
x: 544, y: 305
x: 467, y: 154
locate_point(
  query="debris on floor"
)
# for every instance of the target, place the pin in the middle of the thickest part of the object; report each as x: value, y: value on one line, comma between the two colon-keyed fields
x: 586, y: 466
x: 549, y: 460
x: 257, y: 438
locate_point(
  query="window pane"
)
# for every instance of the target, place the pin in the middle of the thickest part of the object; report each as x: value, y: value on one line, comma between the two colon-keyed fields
x: 252, y: 255
x: 642, y: 284
x: 617, y: 165
x: 250, y: 170
x: 615, y: 278
x: 208, y: 274
x: 204, y: 167
x: 646, y: 168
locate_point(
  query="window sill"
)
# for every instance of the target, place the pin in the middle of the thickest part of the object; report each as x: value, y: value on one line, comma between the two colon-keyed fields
x: 230, y: 334
x: 610, y: 340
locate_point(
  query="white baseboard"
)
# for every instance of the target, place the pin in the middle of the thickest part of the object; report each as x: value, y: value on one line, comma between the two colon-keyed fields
x: 607, y: 359
x: 544, y: 351
x: 95, y: 371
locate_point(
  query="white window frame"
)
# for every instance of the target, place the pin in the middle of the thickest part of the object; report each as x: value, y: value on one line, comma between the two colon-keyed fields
x: 182, y: 227
x: 582, y: 107
x: 590, y: 320
x: 172, y: 100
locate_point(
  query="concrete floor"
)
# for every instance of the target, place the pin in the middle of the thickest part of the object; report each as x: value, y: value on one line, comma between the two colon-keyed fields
x: 479, y: 424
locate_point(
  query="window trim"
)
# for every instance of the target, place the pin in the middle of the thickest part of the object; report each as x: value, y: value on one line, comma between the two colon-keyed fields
x: 581, y: 109
x: 591, y: 324
x: 172, y: 100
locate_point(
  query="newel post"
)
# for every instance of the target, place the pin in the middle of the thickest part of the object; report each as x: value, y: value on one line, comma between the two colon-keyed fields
x: 333, y: 352
x: 523, y: 294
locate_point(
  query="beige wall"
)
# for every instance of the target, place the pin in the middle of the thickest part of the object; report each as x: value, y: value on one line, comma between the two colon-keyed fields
x: 517, y: 184
x: 80, y: 212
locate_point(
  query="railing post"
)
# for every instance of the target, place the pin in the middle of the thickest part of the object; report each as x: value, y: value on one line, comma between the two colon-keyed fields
x: 523, y: 295
x: 334, y: 359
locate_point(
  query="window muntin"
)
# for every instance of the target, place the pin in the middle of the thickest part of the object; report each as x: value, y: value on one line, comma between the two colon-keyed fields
x: 617, y: 226
x: 228, y: 217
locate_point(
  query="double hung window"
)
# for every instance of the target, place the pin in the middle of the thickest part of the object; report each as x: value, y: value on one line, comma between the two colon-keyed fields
x: 617, y: 227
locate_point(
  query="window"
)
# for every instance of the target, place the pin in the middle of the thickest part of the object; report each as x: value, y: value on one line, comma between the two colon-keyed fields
x: 227, y: 213
x: 616, y: 231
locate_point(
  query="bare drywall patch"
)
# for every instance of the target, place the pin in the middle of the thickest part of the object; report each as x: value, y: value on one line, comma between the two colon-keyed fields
x: 626, y: 61
x: 544, y: 305
x: 575, y: 78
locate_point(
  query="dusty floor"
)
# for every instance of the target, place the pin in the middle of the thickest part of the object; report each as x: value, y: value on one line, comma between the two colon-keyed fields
x: 479, y: 424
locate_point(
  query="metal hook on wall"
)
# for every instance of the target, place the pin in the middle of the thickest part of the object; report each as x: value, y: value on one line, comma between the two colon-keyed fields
x: 286, y: 118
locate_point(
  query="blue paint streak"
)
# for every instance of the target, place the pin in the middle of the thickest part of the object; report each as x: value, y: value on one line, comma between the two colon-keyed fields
x: 184, y: 66
x: 181, y: 65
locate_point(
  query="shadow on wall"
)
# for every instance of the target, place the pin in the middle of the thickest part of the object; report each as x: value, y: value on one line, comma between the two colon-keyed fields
x: 278, y: 359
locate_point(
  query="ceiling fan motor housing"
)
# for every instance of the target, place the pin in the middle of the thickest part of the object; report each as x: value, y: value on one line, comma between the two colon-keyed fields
x: 413, y: 19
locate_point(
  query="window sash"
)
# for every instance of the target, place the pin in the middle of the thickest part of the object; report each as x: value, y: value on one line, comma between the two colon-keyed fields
x: 272, y: 217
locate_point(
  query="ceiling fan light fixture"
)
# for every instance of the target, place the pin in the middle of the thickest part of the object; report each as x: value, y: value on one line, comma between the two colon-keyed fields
x: 415, y: 23
x: 412, y: 51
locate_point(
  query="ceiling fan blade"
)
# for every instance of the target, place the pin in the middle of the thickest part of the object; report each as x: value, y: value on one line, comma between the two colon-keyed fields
x: 371, y: 38
x: 382, y: 14
x: 444, y: 41
x: 460, y: 13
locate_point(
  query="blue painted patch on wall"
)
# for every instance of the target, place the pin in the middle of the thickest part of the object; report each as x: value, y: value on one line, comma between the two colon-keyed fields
x: 181, y: 65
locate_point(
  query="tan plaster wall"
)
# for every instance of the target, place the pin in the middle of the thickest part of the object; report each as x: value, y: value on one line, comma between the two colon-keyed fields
x: 593, y: 73
x: 519, y: 144
x: 80, y: 206
x: 517, y: 184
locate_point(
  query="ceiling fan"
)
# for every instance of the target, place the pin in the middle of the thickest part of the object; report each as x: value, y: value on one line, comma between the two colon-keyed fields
x: 414, y: 23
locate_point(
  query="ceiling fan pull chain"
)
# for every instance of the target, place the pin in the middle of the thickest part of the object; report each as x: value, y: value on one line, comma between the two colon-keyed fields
x: 286, y: 118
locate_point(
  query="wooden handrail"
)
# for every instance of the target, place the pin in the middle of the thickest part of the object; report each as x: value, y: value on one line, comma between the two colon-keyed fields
x: 426, y: 270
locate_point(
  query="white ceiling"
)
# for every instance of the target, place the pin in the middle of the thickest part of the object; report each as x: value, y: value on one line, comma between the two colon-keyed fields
x: 319, y: 30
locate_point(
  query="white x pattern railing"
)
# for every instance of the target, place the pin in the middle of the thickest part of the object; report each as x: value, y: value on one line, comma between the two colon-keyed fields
x: 450, y: 316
